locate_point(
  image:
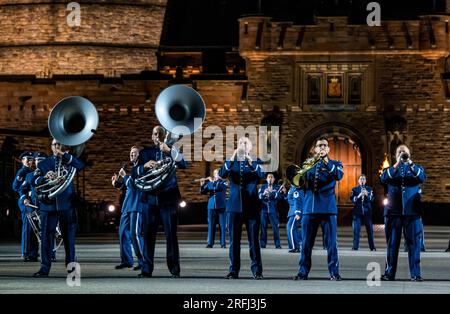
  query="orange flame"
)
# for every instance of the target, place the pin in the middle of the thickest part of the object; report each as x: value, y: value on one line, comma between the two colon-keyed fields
x: 384, y: 165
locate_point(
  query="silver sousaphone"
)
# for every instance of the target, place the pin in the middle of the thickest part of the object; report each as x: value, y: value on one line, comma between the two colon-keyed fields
x: 180, y: 110
x: 72, y: 122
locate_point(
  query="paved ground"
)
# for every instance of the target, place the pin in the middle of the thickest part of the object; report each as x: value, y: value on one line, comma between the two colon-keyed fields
x: 203, y: 269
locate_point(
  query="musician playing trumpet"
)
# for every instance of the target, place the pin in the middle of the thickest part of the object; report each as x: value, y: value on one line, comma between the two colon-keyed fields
x: 216, y: 188
x: 61, y: 208
x: 403, y: 211
x: 243, y: 207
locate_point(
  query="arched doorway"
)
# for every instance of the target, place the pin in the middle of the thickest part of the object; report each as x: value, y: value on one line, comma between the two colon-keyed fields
x: 346, y: 145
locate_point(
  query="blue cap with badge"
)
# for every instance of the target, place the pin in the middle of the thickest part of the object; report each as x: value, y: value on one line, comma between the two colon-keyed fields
x: 40, y: 156
x: 28, y: 155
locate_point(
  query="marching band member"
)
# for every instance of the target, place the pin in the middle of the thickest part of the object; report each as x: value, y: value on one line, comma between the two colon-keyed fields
x: 217, y: 190
x: 270, y: 194
x: 160, y: 204
x: 131, y: 218
x: 403, y: 211
x: 296, y: 200
x: 28, y: 197
x: 320, y: 208
x: 58, y: 209
x: 362, y: 197
x: 27, y: 164
x: 243, y: 207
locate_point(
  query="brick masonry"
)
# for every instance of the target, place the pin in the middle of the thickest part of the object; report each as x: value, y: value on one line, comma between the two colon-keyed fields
x: 405, y: 81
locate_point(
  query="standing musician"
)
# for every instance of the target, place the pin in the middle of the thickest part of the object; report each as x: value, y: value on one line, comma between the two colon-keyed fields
x: 362, y: 197
x: 320, y: 208
x: 270, y: 194
x: 243, y: 207
x: 58, y: 209
x: 29, y: 199
x: 161, y: 204
x: 403, y: 211
x: 296, y: 200
x: 27, y: 164
x: 217, y: 188
x: 131, y: 218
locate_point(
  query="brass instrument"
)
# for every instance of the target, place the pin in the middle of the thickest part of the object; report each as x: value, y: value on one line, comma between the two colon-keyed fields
x: 35, y: 223
x: 72, y: 122
x: 296, y: 175
x: 178, y: 109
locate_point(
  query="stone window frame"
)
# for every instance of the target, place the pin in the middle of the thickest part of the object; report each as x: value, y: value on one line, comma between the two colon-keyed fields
x: 322, y: 69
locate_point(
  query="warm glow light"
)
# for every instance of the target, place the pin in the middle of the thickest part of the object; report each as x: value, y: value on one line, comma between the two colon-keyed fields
x: 111, y: 208
x: 183, y: 204
x: 385, y: 201
x: 385, y: 164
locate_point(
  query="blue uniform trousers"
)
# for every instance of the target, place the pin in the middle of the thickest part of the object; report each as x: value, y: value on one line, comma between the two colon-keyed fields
x: 29, y: 242
x: 68, y: 225
x: 130, y: 235
x: 274, y: 222
x: 151, y: 216
x: 310, y: 225
x: 294, y: 235
x: 252, y: 224
x: 216, y: 216
x: 413, y: 232
x: 357, y: 220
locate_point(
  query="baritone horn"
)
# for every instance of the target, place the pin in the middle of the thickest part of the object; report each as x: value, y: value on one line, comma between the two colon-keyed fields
x: 296, y: 174
x: 72, y: 122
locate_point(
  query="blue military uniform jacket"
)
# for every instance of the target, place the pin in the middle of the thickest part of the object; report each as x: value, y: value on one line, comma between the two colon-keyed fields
x: 168, y: 192
x: 217, y: 191
x: 18, y: 181
x: 362, y: 207
x: 403, y: 189
x: 132, y: 195
x: 27, y: 191
x: 296, y: 199
x: 64, y: 200
x: 320, y: 180
x: 269, y: 202
x: 243, y: 196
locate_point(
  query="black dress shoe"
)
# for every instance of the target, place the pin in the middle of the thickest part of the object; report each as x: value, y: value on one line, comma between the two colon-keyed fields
x: 145, y: 275
x: 354, y: 249
x: 374, y: 249
x: 448, y: 249
x: 417, y: 278
x: 257, y: 276
x: 300, y: 277
x: 209, y: 246
x: 40, y: 274
x: 138, y: 267
x: 278, y: 247
x: 175, y: 276
x: 231, y: 276
x: 223, y: 246
x: 387, y: 278
x: 336, y: 278
x: 121, y: 266
x: 263, y: 246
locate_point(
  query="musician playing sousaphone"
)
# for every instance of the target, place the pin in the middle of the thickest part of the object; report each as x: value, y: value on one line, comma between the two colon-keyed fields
x: 216, y: 188
x: 161, y: 203
x: 60, y: 208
